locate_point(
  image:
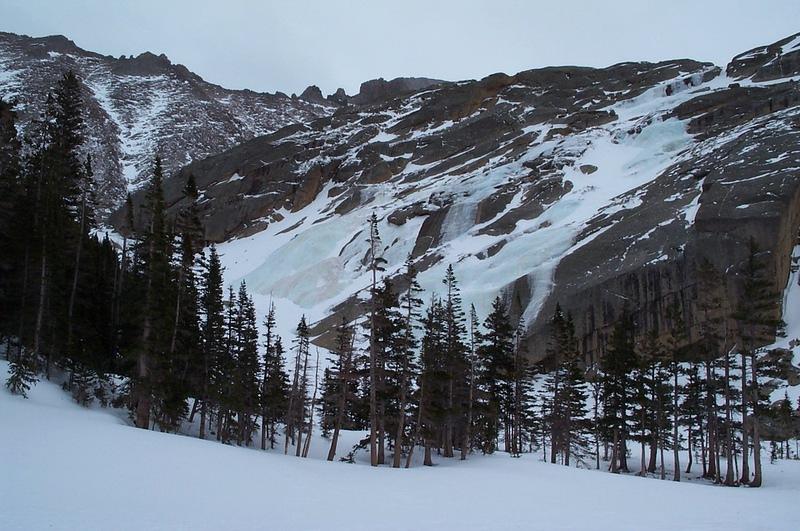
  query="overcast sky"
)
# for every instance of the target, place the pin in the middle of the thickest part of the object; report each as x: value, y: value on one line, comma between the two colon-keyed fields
x: 286, y: 45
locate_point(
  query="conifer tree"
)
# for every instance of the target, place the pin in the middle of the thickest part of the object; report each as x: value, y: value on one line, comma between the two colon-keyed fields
x: 213, y: 336
x: 565, y: 390
x: 574, y: 398
x: 274, y: 385
x: 434, y: 386
x: 375, y: 264
x: 472, y: 361
x: 404, y: 366
x: 152, y: 359
x: 275, y: 395
x: 245, y: 387
x: 693, y: 413
x: 618, y: 363
x: 677, y: 336
x: 22, y: 375
x: 496, y: 360
x: 756, y: 324
x: 714, y: 346
x: 456, y: 364
x: 387, y: 340
x: 11, y: 194
x: 298, y: 395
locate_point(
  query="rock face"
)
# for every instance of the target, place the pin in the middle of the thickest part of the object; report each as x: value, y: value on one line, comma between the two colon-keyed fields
x: 592, y: 188
x: 379, y: 90
x: 778, y: 60
x: 137, y: 106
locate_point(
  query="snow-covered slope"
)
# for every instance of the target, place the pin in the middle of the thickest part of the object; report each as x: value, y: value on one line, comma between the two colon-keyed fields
x: 68, y: 468
x: 137, y: 107
x: 587, y: 187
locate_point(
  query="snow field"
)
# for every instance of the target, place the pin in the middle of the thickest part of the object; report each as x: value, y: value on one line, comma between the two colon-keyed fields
x: 70, y: 468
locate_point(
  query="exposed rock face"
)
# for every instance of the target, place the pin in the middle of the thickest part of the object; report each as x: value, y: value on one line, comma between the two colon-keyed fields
x: 313, y: 94
x: 775, y: 61
x: 589, y: 187
x: 379, y: 90
x: 138, y: 106
x: 339, y: 97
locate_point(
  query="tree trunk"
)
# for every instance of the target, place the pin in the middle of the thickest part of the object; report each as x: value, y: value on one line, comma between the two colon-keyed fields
x: 37, y: 333
x: 381, y: 432
x: 203, y: 419
x: 711, y: 422
x: 75, y: 276
x: 401, y: 420
x: 745, y: 479
x: 729, y: 478
x: 643, y: 470
x: 623, y: 452
x: 596, y: 389
x: 418, y: 427
x: 614, y: 452
x: 23, y: 300
x: 373, y: 400
x: 313, y: 405
x: 466, y: 446
x: 757, y: 478
x: 448, y: 427
x: 676, y: 476
x: 193, y: 412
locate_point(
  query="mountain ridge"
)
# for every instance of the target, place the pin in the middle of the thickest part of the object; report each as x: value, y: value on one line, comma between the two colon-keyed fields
x: 554, y: 185
x: 589, y: 187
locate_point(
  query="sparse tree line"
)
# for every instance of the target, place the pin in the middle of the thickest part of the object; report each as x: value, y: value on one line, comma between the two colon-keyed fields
x: 148, y: 324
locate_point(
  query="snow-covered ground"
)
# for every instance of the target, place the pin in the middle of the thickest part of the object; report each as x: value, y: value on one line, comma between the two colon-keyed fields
x: 70, y: 468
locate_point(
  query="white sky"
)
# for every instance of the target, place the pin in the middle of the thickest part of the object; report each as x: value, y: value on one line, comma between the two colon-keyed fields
x: 287, y: 45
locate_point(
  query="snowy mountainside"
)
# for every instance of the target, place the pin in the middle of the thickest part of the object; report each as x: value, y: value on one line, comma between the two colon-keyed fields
x: 589, y: 187
x: 93, y: 472
x: 138, y: 106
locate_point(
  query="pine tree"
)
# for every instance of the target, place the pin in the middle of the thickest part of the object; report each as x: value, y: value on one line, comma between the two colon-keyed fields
x: 693, y: 412
x: 276, y: 390
x: 677, y: 336
x: 14, y: 251
x: 521, y: 389
x: 154, y: 377
x: 712, y: 312
x: 565, y: 392
x: 185, y: 349
x: 213, y: 336
x: 387, y: 340
x: 496, y: 366
x: 433, y: 392
x: 403, y: 358
x: 225, y: 372
x: 22, y: 375
x: 11, y: 240
x: 756, y: 324
x: 456, y: 365
x: 246, y: 383
x: 618, y: 364
x: 298, y: 395
x: 375, y: 263
x: 574, y: 398
x: 274, y: 385
x: 472, y: 360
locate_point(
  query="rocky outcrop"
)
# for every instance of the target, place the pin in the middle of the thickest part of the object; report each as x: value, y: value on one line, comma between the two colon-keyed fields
x: 137, y: 107
x: 778, y: 60
x: 380, y: 90
x: 313, y: 94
